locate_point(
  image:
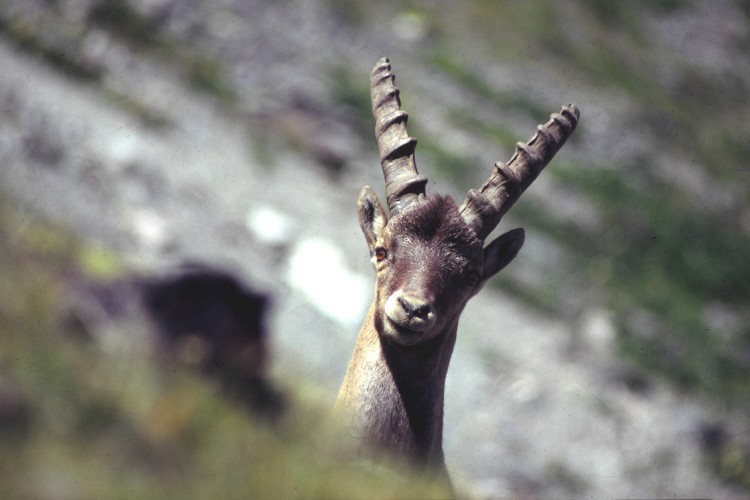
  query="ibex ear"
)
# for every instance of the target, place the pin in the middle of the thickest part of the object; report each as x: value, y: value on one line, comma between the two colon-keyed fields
x: 372, y: 218
x: 500, y: 252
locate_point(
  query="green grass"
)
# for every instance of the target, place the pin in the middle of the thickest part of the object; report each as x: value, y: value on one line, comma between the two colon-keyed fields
x: 120, y: 18
x: 471, y: 81
x: 60, y: 44
x: 207, y: 75
x: 351, y: 91
x: 62, y: 55
x: 667, y: 256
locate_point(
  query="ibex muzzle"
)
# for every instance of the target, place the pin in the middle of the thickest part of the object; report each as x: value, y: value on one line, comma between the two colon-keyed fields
x: 410, y: 311
x: 430, y: 259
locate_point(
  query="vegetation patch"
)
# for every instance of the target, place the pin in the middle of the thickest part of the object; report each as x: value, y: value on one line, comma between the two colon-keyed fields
x: 669, y: 257
x: 35, y: 39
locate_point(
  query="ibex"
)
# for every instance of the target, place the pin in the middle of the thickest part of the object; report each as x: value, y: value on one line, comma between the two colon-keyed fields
x: 430, y: 259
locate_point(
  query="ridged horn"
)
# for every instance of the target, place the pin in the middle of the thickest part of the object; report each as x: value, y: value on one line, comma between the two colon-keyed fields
x: 483, y: 208
x: 403, y: 184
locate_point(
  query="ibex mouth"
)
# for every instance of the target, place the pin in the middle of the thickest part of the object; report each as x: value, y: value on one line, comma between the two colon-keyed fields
x: 402, y: 334
x: 407, y: 328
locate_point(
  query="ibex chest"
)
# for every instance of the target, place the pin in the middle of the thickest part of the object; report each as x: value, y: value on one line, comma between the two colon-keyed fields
x: 391, y: 409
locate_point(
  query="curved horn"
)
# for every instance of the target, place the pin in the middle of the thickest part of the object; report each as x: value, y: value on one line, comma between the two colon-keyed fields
x: 484, y: 208
x: 403, y: 184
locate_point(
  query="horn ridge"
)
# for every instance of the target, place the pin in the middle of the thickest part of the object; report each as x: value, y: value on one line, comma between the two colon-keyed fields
x: 404, y: 184
x: 484, y: 208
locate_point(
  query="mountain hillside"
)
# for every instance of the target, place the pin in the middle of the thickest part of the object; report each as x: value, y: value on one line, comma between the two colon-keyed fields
x: 611, y: 359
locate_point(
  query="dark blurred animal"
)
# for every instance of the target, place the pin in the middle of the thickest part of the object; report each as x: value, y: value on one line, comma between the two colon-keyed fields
x: 206, y: 317
x: 430, y: 259
x: 195, y: 314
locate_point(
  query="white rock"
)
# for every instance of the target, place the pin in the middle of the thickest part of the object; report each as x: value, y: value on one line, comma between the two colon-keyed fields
x: 318, y: 270
x: 270, y: 226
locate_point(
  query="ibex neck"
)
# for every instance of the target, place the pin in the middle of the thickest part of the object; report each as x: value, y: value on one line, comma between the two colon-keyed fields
x: 394, y: 395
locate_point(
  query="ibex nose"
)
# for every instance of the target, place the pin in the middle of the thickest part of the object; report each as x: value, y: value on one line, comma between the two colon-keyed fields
x: 414, y: 309
x: 409, y: 311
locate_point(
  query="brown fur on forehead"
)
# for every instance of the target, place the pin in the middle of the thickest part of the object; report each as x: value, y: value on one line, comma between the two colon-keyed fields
x: 435, y: 217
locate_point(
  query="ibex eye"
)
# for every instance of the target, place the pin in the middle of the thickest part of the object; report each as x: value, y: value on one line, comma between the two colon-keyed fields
x: 472, y: 278
x: 380, y: 254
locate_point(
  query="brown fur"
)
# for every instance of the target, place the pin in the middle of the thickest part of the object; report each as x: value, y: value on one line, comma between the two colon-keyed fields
x: 394, y: 388
x: 429, y: 262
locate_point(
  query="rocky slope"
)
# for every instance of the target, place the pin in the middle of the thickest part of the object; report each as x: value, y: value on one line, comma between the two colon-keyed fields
x: 238, y: 134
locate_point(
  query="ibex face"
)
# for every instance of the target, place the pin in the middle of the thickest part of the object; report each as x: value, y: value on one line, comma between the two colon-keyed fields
x: 429, y: 262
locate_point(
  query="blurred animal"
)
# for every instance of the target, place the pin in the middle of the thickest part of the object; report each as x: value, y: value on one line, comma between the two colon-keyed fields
x: 198, y: 315
x: 206, y: 317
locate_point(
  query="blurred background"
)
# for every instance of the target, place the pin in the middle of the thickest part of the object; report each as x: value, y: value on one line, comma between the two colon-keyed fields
x: 141, y: 139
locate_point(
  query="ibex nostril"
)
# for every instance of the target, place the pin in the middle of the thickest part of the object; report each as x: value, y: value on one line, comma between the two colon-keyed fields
x: 421, y: 311
x: 406, y: 305
x: 414, y: 310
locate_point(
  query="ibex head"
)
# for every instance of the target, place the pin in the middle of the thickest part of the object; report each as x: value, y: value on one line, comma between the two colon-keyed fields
x: 429, y: 255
